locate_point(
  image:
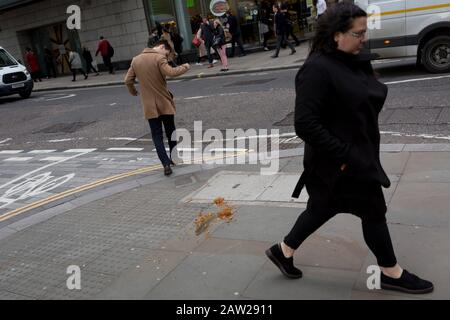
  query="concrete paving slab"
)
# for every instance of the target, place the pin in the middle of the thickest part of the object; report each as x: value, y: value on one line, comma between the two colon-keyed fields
x: 427, y: 167
x: 281, y: 190
x: 317, y: 283
x: 423, y: 204
x: 394, y: 163
x: 209, y: 276
x: 259, y: 224
x: 141, y: 278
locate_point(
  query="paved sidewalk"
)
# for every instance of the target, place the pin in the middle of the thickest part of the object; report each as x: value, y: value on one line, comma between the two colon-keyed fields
x: 252, y: 62
x: 140, y: 243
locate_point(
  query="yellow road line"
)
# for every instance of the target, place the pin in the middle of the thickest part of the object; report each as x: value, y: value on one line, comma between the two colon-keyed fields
x: 92, y: 185
x: 438, y: 6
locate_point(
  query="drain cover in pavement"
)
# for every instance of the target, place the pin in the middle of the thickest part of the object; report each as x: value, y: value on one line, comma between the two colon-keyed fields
x: 248, y: 82
x: 249, y: 187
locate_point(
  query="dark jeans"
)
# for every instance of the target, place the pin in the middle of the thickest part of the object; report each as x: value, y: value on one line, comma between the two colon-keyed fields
x: 236, y: 38
x: 51, y: 70
x: 281, y: 38
x: 290, y: 33
x: 108, y: 63
x: 90, y: 67
x: 209, y: 47
x: 365, y: 201
x: 74, y: 72
x: 156, y: 125
x: 266, y: 38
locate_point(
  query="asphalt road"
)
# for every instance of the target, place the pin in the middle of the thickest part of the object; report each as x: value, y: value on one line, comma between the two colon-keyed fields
x: 417, y: 110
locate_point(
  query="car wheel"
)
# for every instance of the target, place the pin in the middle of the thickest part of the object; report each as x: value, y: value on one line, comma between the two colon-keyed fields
x: 25, y: 94
x: 436, y: 55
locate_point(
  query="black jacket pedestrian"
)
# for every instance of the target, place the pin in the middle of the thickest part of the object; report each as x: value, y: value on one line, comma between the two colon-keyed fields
x: 207, y: 33
x: 219, y: 37
x: 338, y: 100
x: 234, y: 26
x: 281, y: 23
x: 87, y: 56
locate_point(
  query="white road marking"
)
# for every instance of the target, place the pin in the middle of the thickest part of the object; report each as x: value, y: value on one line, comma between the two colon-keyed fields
x: 418, y: 79
x: 197, y: 97
x: 10, y: 151
x: 80, y: 150
x: 113, y: 104
x: 18, y: 159
x: 122, y: 139
x: 6, y: 140
x: 426, y: 136
x: 64, y: 97
x: 64, y: 140
x: 54, y: 159
x: 125, y: 149
x: 41, y: 151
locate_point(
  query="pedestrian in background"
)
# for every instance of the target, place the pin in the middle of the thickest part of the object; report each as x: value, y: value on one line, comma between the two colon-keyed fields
x: 151, y: 68
x: 201, y: 48
x: 219, y: 44
x: 236, y: 38
x: 281, y: 30
x: 50, y: 63
x: 107, y: 52
x: 89, y: 60
x: 208, y: 38
x: 338, y: 100
x: 177, y: 43
x: 76, y: 65
x: 33, y: 65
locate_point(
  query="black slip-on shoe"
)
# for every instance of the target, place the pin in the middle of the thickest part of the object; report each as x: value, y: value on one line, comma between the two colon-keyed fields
x: 286, y: 265
x: 167, y: 170
x: 408, y: 282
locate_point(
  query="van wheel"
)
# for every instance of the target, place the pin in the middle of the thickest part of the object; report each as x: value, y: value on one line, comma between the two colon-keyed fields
x: 436, y: 54
x: 25, y: 94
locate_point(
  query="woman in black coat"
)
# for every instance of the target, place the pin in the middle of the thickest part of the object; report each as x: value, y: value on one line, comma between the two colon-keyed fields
x: 338, y: 100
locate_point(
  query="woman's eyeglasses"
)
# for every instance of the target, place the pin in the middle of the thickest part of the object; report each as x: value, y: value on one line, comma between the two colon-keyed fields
x: 359, y: 35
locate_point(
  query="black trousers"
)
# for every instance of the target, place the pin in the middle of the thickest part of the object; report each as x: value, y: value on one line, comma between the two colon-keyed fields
x: 156, y: 125
x: 74, y: 73
x: 90, y: 67
x: 107, y: 62
x: 281, y: 38
x: 348, y: 196
x: 236, y: 38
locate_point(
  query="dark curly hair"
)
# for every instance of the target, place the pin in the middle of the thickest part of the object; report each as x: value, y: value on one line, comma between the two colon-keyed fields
x: 338, y: 18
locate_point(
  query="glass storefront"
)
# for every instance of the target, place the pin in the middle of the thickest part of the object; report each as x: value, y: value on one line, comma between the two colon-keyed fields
x: 186, y: 15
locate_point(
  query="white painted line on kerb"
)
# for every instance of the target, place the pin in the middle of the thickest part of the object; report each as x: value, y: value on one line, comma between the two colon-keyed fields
x: 10, y: 151
x: 80, y: 150
x: 41, y: 151
x: 125, y: 149
x: 418, y: 79
x: 19, y: 159
x: 54, y: 159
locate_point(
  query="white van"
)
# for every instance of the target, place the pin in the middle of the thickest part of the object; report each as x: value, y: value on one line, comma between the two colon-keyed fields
x: 410, y: 28
x: 14, y: 77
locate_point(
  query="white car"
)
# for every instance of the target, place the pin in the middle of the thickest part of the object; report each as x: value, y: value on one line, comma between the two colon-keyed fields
x: 14, y: 77
x: 410, y: 28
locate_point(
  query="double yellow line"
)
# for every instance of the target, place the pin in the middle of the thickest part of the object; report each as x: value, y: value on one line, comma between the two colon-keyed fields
x: 95, y: 184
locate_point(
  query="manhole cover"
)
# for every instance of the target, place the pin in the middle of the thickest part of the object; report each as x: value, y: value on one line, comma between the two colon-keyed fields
x: 248, y: 82
x: 287, y: 121
x: 65, y: 127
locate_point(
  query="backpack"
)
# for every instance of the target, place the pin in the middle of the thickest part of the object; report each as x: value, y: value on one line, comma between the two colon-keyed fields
x: 110, y: 50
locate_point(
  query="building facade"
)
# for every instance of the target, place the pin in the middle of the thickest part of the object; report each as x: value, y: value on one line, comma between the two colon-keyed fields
x: 42, y: 24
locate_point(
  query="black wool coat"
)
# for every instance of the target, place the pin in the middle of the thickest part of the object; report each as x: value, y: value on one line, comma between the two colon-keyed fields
x: 338, y: 100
